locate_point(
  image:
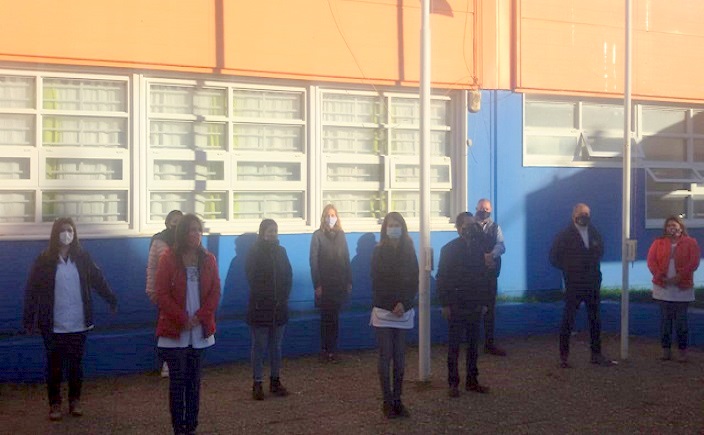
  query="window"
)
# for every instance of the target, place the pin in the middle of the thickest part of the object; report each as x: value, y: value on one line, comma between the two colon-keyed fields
x: 66, y: 148
x: 567, y: 132
x: 370, y: 146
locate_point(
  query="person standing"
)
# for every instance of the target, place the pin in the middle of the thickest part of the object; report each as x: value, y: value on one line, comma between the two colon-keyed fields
x: 188, y: 292
x: 332, y: 278
x: 672, y: 259
x: 58, y: 303
x: 160, y: 241
x: 577, y: 252
x: 463, y: 290
x: 492, y: 258
x: 270, y: 277
x: 394, y: 271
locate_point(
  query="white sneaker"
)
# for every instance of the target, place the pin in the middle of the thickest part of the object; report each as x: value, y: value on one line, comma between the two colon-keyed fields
x: 164, y: 370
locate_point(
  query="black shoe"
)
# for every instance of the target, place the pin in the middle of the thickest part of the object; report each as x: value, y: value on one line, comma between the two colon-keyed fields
x: 453, y: 391
x: 474, y: 385
x: 401, y: 410
x: 257, y: 391
x: 388, y: 410
x: 276, y: 388
x: 493, y: 350
x: 600, y: 360
x: 564, y: 364
x: 333, y: 358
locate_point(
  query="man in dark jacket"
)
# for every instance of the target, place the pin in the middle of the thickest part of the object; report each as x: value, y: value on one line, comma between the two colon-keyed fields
x: 577, y: 252
x: 463, y: 291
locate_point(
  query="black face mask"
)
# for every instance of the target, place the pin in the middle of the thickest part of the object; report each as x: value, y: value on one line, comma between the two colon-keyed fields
x: 582, y: 220
x: 483, y: 215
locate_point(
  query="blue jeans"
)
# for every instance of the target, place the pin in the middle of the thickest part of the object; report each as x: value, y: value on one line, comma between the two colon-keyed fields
x: 392, y: 347
x: 463, y: 324
x: 676, y: 311
x: 266, y: 338
x: 184, y: 386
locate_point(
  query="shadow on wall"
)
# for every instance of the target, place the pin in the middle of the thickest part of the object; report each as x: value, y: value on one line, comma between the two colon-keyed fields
x: 361, y: 272
x: 549, y: 211
x: 235, y: 289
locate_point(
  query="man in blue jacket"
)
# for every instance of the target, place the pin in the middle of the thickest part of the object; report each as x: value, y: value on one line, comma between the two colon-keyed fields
x: 464, y: 292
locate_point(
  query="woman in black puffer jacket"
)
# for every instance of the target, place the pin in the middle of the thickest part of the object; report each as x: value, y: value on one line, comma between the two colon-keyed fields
x: 269, y: 276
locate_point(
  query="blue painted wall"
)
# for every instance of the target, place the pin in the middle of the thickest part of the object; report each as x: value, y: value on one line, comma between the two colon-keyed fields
x: 532, y: 204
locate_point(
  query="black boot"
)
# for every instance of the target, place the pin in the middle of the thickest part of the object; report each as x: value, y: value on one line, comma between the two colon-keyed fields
x: 401, y: 410
x: 257, y: 391
x: 276, y: 388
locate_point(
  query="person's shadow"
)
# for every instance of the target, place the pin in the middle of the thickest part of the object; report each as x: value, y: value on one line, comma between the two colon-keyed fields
x: 361, y: 272
x: 235, y: 291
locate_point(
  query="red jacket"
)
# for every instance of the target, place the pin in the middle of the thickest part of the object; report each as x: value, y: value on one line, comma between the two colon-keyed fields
x: 686, y: 260
x: 170, y: 287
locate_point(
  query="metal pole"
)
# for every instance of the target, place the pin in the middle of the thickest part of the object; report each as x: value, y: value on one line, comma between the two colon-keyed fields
x: 425, y: 252
x: 626, y: 206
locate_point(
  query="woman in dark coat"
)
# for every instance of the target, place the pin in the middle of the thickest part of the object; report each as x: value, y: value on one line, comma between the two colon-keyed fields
x: 269, y: 275
x: 394, y: 273
x: 58, y: 301
x: 332, y: 278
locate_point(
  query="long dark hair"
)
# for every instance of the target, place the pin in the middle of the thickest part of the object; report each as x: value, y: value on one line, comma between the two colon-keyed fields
x: 181, y: 239
x: 677, y: 219
x: 264, y: 225
x: 54, y: 245
x: 405, y: 240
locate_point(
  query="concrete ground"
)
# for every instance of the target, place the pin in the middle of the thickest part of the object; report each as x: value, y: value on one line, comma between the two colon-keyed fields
x: 529, y: 394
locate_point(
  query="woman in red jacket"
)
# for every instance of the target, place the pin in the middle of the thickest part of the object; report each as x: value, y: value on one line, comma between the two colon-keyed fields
x: 188, y: 291
x: 672, y: 259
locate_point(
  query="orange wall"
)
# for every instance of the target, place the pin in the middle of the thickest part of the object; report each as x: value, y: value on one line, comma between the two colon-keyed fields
x: 578, y: 46
x: 347, y: 40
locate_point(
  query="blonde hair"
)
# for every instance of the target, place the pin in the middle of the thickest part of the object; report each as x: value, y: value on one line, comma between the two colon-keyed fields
x: 323, y: 222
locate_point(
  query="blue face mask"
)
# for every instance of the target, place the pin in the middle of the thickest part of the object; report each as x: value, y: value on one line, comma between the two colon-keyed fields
x: 394, y: 232
x: 332, y: 220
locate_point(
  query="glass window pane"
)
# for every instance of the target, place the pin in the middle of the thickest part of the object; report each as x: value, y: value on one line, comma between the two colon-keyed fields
x: 664, y: 149
x: 275, y: 205
x: 85, y: 95
x: 352, y: 109
x: 16, y: 207
x: 554, y: 114
x: 663, y: 120
x: 17, y: 92
x: 16, y: 129
x: 408, y: 204
x: 188, y: 170
x: 407, y: 142
x: 351, y: 140
x: 83, y: 169
x: 350, y: 204
x: 268, y: 137
x: 268, y: 171
x: 666, y: 199
x: 85, y: 206
x: 698, y: 201
x: 267, y: 104
x: 188, y: 135
x: 605, y: 146
x: 79, y: 131
x: 698, y: 152
x: 207, y: 205
x: 355, y: 172
x: 406, y: 111
x: 408, y: 173
x: 14, y: 168
x: 187, y: 100
x: 673, y: 174
x: 598, y: 117
x: 562, y: 146
x: 698, y: 121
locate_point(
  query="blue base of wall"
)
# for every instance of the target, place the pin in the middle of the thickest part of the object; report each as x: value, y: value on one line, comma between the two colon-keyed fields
x: 117, y: 353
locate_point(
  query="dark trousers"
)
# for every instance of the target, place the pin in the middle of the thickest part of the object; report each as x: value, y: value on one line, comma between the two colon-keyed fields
x: 392, y: 347
x: 572, y: 301
x: 490, y: 315
x: 329, y: 327
x: 184, y: 386
x: 461, y: 325
x: 64, y: 349
x: 677, y: 312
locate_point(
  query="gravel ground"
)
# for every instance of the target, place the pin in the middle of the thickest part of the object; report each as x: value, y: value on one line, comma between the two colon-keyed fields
x: 529, y: 394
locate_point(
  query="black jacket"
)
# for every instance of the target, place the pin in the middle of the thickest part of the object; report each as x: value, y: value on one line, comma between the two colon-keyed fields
x: 394, y: 276
x: 462, y: 280
x: 270, y: 277
x: 39, y: 292
x: 580, y: 266
x: 330, y: 266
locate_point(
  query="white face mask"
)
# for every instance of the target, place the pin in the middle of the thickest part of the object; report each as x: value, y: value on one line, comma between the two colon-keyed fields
x: 65, y: 238
x: 394, y: 232
x: 332, y: 220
